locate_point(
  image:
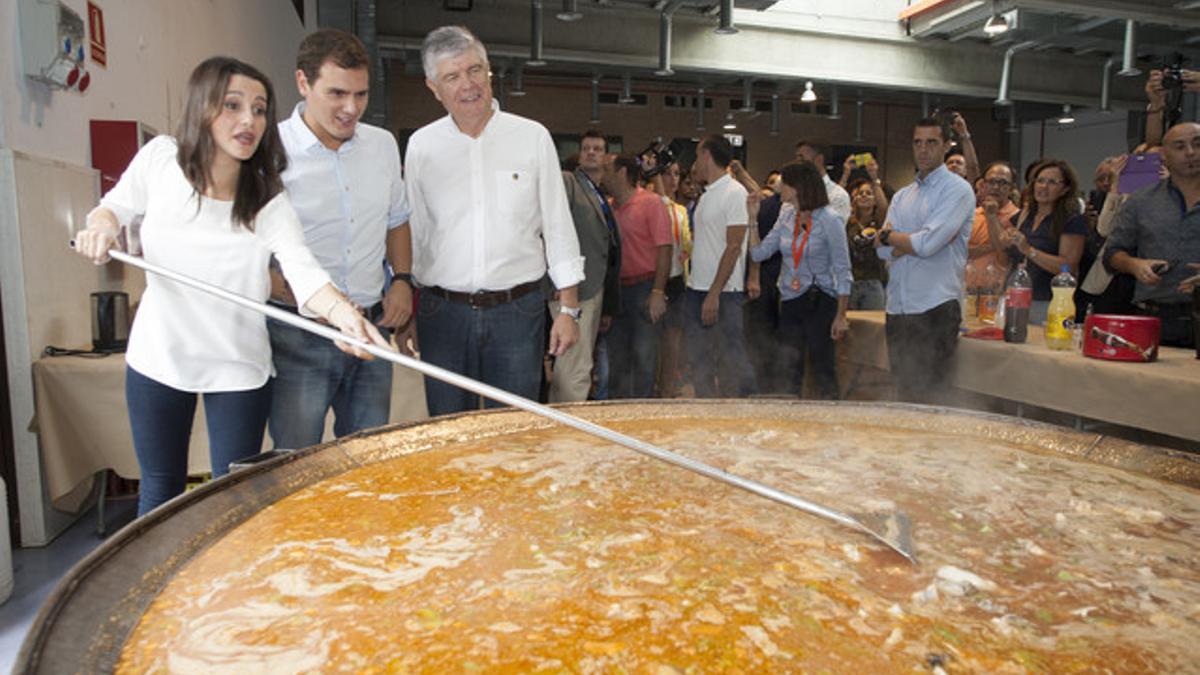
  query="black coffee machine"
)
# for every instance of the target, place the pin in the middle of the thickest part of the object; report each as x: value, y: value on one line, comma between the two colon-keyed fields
x: 110, y: 321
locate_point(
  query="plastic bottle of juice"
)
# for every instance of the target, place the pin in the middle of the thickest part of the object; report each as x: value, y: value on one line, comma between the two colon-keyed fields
x: 1060, y: 319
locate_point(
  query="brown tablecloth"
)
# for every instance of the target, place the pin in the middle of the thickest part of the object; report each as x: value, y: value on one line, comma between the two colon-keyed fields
x: 83, y: 425
x: 1159, y: 397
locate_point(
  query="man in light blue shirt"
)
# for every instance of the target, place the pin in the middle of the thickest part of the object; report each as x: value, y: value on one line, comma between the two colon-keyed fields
x: 925, y: 242
x: 345, y: 182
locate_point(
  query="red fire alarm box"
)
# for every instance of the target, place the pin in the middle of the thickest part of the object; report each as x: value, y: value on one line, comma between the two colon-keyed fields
x: 114, y: 143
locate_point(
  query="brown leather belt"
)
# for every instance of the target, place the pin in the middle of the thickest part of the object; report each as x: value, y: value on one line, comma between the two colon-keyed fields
x: 484, y: 299
x: 373, y: 313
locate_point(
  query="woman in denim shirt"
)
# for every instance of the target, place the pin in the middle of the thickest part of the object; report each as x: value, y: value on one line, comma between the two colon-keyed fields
x: 814, y: 282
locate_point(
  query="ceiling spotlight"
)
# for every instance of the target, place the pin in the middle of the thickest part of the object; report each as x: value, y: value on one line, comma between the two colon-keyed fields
x: 809, y: 95
x: 730, y: 125
x: 1067, y: 117
x: 997, y: 24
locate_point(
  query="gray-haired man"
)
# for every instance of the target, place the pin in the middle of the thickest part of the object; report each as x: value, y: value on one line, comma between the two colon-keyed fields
x: 481, y: 248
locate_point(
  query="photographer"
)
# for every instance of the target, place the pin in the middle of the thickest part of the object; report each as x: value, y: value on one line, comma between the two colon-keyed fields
x: 1159, y: 88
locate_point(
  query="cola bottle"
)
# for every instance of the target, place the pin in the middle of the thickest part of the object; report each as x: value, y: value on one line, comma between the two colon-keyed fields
x: 1017, y: 300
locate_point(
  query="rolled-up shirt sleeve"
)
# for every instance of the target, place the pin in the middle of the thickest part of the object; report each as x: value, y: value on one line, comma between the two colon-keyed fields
x: 944, y: 223
x: 1124, y: 235
x: 769, y: 246
x: 839, y: 253
x: 558, y: 229
x: 885, y: 252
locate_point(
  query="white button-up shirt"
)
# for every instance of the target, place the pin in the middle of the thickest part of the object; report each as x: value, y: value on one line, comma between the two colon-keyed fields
x: 489, y: 213
x: 839, y: 199
x: 348, y: 199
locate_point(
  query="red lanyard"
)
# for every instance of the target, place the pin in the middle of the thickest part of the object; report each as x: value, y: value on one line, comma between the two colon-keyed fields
x: 798, y: 253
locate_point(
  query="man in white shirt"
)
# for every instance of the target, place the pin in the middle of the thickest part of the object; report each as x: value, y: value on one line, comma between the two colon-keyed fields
x: 715, y: 343
x: 490, y: 219
x: 344, y: 179
x: 815, y: 151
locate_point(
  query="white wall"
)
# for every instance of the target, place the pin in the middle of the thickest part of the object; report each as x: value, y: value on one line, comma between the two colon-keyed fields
x: 1092, y: 137
x: 47, y: 185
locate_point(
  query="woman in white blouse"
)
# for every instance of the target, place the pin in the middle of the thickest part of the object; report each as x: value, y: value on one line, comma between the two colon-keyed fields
x: 213, y: 208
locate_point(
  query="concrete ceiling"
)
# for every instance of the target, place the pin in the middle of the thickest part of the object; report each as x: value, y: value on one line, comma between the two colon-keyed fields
x: 858, y: 45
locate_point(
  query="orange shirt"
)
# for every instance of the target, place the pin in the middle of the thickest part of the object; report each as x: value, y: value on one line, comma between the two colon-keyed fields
x: 645, y: 225
x: 977, y: 267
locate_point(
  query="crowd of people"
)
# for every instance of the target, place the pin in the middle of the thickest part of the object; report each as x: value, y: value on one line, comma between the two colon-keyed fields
x: 622, y: 276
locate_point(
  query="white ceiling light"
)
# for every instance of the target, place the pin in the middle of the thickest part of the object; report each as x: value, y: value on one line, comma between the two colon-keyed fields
x: 997, y: 24
x: 1067, y: 116
x: 809, y: 95
x: 730, y: 125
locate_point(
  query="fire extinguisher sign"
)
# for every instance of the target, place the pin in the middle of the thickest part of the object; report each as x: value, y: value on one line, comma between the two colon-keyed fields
x: 96, y: 31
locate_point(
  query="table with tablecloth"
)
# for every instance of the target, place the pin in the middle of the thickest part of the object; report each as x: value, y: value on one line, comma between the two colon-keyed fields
x: 83, y: 425
x: 1161, y: 396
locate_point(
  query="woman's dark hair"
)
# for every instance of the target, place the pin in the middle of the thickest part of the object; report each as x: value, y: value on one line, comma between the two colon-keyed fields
x: 803, y: 177
x: 258, y: 181
x: 1067, y: 205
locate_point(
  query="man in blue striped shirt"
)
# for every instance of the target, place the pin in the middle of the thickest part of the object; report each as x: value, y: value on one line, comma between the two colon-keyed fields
x: 925, y: 244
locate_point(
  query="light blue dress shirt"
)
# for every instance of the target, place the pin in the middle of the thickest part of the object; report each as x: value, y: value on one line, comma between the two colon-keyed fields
x: 347, y: 199
x: 937, y: 212
x: 826, y: 259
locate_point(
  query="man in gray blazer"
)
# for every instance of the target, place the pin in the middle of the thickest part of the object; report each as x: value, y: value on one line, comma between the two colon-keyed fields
x: 600, y: 245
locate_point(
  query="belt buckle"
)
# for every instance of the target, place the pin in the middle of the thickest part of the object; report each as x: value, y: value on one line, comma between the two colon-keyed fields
x: 475, y: 299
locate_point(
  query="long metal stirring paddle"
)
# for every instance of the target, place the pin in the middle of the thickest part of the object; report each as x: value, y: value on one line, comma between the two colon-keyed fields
x: 892, y: 529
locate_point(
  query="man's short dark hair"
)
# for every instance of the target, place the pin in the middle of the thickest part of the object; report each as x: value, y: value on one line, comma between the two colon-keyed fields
x: 330, y: 44
x: 1001, y: 163
x: 952, y: 152
x: 820, y: 146
x: 929, y: 122
x: 804, y: 177
x: 720, y: 148
x: 593, y: 132
x: 633, y: 170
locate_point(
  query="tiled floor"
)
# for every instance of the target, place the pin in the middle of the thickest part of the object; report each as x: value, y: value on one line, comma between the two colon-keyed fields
x: 37, y: 570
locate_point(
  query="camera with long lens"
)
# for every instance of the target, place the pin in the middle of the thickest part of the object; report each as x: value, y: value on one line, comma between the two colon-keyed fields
x: 1172, y: 82
x: 663, y: 155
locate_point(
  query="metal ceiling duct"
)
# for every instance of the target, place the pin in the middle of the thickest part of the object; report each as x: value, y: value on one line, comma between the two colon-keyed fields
x: 747, y: 96
x: 726, y: 26
x: 1106, y: 86
x: 700, y: 109
x: 1129, y: 61
x: 595, y: 118
x: 518, y: 80
x: 501, y: 91
x: 774, y: 114
x: 570, y: 11
x: 924, y: 104
x: 835, y: 112
x: 535, y: 35
x: 626, y: 89
x: 665, y: 20
x: 366, y: 27
x: 858, y: 121
x: 1006, y: 72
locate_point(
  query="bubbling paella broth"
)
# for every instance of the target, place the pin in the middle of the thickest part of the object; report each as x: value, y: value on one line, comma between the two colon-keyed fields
x: 545, y: 550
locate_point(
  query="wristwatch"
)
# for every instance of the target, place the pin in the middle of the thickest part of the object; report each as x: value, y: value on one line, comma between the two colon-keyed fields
x: 884, y: 235
x: 573, y: 312
x: 402, y: 276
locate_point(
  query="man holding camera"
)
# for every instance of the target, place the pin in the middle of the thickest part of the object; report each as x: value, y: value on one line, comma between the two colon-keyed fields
x: 1157, y: 231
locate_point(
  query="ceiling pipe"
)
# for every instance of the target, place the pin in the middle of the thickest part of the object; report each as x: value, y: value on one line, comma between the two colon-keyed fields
x: 570, y: 11
x: 774, y: 114
x: 518, y: 80
x: 1129, y: 61
x: 1006, y: 73
x: 595, y: 118
x: 700, y: 109
x: 924, y: 104
x: 726, y: 26
x: 535, y: 35
x: 835, y: 111
x: 1106, y: 86
x: 858, y: 121
x: 747, y: 96
x: 626, y: 89
x: 502, y: 91
x: 665, y: 20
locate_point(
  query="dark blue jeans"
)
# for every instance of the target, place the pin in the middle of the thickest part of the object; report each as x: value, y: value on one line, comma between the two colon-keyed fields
x: 632, y: 345
x: 501, y: 346
x: 311, y: 375
x: 717, y: 353
x: 161, y: 420
x: 804, y: 325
